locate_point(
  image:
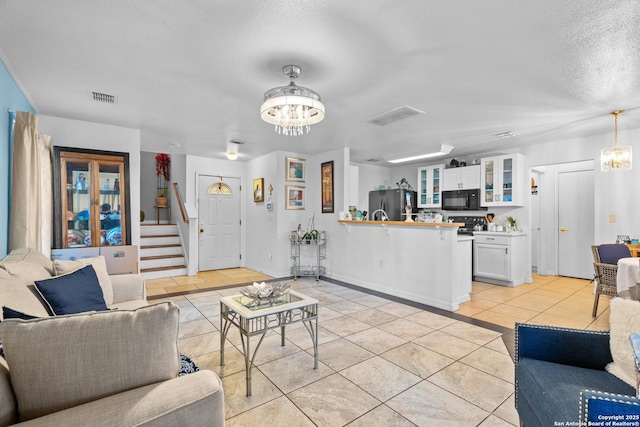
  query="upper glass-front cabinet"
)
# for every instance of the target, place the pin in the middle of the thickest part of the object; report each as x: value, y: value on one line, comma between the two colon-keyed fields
x: 91, y: 198
x: 429, y: 186
x: 502, y: 180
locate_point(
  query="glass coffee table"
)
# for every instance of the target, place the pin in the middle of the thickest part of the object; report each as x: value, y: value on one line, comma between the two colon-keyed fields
x: 255, y: 317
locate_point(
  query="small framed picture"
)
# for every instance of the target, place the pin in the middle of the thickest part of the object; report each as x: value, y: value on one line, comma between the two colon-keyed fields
x: 294, y: 169
x: 294, y: 197
x: 258, y: 190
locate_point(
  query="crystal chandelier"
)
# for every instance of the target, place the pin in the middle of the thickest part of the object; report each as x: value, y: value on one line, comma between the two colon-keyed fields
x: 616, y: 157
x: 292, y: 109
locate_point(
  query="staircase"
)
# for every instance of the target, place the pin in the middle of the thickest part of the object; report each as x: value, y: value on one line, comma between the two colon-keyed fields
x: 161, y: 253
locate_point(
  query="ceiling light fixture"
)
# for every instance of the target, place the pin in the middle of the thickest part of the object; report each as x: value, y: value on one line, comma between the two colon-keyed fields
x: 232, y: 149
x: 292, y: 109
x: 507, y: 134
x: 616, y: 157
x: 444, y: 149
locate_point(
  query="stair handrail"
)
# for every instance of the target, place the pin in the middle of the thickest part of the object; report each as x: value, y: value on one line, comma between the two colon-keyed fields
x: 176, y: 190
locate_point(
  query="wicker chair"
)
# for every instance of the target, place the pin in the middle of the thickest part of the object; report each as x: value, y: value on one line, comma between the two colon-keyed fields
x: 605, y: 264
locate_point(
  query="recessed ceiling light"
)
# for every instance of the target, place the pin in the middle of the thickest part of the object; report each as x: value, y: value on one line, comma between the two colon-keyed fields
x: 507, y: 134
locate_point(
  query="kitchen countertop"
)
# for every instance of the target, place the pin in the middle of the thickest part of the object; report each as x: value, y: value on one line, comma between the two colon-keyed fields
x: 410, y: 224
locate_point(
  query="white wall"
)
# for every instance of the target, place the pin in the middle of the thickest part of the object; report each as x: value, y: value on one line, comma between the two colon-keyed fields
x: 80, y: 134
x: 149, y: 185
x: 371, y: 176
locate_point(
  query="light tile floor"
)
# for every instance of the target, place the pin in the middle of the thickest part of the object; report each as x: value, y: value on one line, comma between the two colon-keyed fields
x: 381, y: 363
x: 549, y: 300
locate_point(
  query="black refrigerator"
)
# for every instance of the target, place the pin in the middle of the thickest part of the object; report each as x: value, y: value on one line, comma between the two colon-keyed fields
x: 393, y: 202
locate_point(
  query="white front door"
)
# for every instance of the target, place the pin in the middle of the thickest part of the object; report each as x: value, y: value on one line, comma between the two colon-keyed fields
x: 575, y: 223
x: 219, y: 222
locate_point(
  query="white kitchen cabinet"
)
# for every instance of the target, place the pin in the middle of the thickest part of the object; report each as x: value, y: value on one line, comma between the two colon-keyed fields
x: 463, y: 178
x: 502, y: 180
x: 429, y: 186
x: 499, y: 257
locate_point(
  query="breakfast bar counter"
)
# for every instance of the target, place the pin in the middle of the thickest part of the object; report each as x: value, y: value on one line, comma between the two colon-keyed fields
x: 422, y: 262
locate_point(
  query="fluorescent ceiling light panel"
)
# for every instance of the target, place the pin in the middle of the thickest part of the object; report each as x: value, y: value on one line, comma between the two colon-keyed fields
x: 444, y: 149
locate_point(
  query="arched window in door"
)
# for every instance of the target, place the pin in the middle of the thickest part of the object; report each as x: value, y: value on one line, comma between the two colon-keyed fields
x: 219, y: 188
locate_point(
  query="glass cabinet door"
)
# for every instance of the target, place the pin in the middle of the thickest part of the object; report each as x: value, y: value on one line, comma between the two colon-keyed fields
x: 77, y: 202
x: 435, y: 187
x: 507, y: 179
x: 91, y: 198
x: 489, y: 176
x: 422, y: 187
x: 110, y: 203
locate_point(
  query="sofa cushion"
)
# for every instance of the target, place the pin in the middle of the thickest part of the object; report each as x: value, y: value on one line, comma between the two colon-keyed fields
x: 74, y: 292
x: 65, y: 361
x: 30, y: 256
x: 27, y: 272
x: 8, y: 404
x: 98, y: 263
x: 624, y: 320
x: 556, y: 388
x: 21, y: 297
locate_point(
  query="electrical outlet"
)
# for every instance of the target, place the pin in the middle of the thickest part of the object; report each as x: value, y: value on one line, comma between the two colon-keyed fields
x: 381, y: 263
x: 270, y: 256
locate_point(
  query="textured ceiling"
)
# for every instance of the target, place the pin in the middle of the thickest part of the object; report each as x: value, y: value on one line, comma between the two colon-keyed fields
x: 194, y: 72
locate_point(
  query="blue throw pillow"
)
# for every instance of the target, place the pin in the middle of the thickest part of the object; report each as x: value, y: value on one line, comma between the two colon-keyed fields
x: 9, y: 313
x: 72, y: 293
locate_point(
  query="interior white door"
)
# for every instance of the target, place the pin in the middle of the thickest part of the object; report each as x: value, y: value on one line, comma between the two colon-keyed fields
x: 575, y: 223
x: 219, y: 222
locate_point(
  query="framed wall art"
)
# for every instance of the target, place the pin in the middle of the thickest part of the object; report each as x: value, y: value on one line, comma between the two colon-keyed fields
x: 294, y: 197
x: 326, y: 176
x: 294, y: 169
x: 258, y: 190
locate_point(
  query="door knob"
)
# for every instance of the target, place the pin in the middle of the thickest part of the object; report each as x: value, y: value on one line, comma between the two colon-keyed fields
x: 563, y: 229
x: 201, y: 229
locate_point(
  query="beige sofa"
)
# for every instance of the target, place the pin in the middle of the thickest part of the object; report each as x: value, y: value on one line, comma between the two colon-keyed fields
x: 107, y: 368
x: 24, y: 266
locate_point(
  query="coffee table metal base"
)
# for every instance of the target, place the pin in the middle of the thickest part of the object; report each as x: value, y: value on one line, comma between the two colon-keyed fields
x: 259, y: 322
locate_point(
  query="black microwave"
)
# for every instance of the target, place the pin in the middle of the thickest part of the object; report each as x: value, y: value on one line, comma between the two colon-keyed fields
x: 461, y: 200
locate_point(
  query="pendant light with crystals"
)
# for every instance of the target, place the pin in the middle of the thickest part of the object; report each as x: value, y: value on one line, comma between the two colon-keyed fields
x: 616, y: 157
x: 292, y: 108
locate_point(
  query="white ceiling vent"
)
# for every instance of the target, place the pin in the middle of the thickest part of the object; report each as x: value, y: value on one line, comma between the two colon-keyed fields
x: 393, y: 115
x: 104, y: 98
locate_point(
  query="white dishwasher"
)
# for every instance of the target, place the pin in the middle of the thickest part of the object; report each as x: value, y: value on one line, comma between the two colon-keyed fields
x: 498, y: 257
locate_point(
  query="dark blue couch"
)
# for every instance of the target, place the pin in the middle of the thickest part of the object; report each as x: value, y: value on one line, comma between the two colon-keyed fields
x: 560, y: 379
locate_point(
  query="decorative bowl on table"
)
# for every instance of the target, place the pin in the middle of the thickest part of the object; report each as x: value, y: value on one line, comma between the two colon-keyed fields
x: 266, y: 290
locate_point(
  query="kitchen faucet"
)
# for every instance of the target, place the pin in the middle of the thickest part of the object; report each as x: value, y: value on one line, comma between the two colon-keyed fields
x: 383, y: 217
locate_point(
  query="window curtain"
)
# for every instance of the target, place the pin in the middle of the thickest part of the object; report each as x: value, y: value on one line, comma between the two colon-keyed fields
x: 31, y: 212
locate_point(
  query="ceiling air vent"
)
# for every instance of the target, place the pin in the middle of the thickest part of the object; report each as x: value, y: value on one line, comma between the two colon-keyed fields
x: 393, y: 115
x: 103, y: 97
x: 373, y: 160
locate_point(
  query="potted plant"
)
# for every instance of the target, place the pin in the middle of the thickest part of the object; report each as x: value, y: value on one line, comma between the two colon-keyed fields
x: 513, y: 225
x: 163, y: 172
x: 311, y: 235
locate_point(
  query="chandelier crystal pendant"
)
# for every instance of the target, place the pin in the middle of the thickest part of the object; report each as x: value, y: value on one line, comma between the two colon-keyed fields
x: 292, y: 108
x: 616, y: 157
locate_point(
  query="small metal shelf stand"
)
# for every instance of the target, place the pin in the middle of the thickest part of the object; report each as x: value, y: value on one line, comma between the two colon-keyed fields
x: 298, y: 269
